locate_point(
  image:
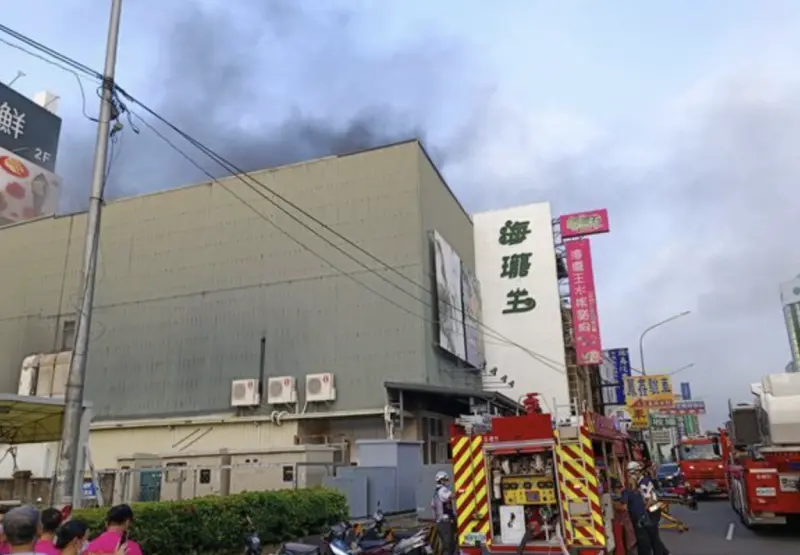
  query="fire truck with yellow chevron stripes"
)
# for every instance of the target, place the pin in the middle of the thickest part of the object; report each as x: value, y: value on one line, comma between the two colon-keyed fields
x: 525, y: 482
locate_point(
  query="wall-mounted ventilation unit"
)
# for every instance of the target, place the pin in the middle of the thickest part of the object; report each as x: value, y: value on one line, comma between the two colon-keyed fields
x: 281, y: 390
x: 319, y: 388
x: 244, y: 393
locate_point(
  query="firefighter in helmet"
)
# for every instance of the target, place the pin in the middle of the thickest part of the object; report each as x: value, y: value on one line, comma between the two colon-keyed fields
x: 444, y: 513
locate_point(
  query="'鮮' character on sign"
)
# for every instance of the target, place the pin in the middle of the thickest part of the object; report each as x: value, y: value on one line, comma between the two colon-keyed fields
x: 12, y: 121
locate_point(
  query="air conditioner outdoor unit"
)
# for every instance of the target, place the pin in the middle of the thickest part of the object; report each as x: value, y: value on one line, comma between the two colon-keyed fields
x: 281, y: 390
x: 319, y: 388
x: 244, y: 393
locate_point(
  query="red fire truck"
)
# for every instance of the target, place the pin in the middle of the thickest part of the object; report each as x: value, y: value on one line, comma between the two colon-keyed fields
x: 523, y: 483
x: 702, y: 467
x: 761, y: 447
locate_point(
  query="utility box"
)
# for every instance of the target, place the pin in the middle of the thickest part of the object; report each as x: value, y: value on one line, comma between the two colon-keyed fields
x: 405, y: 456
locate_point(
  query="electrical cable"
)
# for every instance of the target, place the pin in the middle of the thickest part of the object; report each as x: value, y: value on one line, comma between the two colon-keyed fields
x: 60, y: 66
x: 238, y: 173
x: 231, y: 168
x: 242, y: 176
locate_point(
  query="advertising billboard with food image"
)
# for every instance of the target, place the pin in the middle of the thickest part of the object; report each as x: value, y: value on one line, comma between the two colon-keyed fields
x: 26, y: 190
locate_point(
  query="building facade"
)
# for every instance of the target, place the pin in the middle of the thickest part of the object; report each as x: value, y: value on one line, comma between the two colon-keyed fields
x: 196, y: 289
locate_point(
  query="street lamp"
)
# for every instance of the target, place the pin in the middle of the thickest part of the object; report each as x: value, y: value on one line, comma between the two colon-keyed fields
x: 644, y: 371
x: 654, y: 326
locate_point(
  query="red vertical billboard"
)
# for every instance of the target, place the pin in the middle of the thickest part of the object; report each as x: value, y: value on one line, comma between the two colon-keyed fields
x: 583, y: 299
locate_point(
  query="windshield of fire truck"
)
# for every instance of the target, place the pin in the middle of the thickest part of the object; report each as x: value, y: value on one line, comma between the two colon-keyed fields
x: 697, y: 452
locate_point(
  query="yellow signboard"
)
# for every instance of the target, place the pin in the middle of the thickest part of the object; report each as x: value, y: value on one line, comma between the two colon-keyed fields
x: 638, y: 415
x: 653, y: 391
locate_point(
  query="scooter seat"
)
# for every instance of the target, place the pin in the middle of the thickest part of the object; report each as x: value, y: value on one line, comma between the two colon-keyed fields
x: 366, y: 545
x: 300, y: 549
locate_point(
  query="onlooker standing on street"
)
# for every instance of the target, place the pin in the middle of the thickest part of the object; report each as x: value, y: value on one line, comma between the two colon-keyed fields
x: 72, y: 537
x: 51, y: 520
x: 22, y: 528
x: 118, y: 521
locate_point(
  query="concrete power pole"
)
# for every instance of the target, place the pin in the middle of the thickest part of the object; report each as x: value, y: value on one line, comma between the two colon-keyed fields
x: 70, y: 476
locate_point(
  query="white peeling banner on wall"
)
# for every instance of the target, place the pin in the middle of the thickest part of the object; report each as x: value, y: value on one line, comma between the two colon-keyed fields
x: 473, y: 318
x: 27, y: 190
x: 448, y: 292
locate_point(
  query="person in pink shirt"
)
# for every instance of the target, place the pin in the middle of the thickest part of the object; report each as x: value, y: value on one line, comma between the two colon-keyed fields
x: 51, y: 520
x: 118, y: 520
x: 4, y: 547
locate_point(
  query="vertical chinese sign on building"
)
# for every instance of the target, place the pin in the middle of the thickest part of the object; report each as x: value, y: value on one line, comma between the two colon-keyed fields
x: 583, y: 299
x: 515, y: 266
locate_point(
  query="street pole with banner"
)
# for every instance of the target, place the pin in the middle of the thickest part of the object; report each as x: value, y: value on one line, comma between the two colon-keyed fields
x: 69, y: 472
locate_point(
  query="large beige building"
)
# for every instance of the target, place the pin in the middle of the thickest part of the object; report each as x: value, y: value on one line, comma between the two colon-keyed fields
x: 193, y: 281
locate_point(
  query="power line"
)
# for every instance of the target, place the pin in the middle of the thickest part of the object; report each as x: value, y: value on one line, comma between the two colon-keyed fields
x: 77, y: 76
x: 241, y: 175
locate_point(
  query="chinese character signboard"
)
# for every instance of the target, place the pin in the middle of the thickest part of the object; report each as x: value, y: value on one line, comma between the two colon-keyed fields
x: 686, y: 391
x: 653, y: 391
x: 26, y: 190
x: 638, y: 414
x: 515, y: 264
x: 621, y: 360
x: 584, y: 303
x: 28, y: 130
x: 448, y: 294
x: 681, y: 408
x: 584, y: 223
x: 662, y: 421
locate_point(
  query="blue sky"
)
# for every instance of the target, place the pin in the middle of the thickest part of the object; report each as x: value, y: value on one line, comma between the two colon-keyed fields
x: 681, y: 118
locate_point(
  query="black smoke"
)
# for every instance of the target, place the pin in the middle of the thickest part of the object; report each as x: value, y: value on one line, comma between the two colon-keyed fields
x: 270, y: 85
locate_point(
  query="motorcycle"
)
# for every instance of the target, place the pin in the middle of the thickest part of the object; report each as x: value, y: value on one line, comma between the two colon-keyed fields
x: 416, y: 544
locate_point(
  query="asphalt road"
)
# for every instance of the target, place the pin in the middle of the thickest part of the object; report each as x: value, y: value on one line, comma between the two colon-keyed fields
x: 711, y: 534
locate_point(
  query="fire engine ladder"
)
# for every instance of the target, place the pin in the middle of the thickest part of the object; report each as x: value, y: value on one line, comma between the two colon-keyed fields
x: 579, y: 483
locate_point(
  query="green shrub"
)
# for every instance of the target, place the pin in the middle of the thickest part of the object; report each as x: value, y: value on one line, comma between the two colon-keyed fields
x: 219, y: 525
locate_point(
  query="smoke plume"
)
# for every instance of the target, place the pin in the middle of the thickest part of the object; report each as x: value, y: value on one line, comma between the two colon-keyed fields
x: 268, y: 86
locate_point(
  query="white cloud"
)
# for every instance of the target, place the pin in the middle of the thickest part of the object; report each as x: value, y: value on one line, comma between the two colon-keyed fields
x: 703, y: 212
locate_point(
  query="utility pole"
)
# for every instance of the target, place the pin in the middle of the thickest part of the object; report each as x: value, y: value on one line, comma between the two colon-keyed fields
x: 69, y: 473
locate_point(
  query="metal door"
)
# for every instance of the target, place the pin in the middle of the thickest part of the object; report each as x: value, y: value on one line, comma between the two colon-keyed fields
x: 150, y: 485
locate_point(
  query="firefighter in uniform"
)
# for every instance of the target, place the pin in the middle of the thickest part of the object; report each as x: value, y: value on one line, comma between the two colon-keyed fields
x: 444, y: 513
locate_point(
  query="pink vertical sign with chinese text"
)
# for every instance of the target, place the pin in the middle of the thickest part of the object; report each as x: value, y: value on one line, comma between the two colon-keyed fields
x: 583, y: 299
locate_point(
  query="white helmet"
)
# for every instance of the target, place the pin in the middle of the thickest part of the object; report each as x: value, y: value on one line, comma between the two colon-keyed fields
x: 635, y: 466
x: 441, y: 476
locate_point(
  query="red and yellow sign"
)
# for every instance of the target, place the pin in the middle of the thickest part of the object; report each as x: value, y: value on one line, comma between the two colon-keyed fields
x: 638, y: 415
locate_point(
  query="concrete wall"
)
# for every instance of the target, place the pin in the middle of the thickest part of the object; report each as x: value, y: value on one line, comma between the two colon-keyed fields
x: 441, y: 211
x: 190, y: 280
x: 194, y: 475
x: 112, y: 444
